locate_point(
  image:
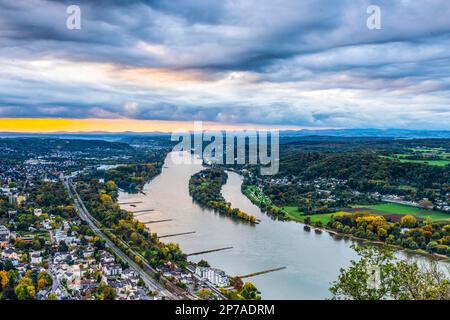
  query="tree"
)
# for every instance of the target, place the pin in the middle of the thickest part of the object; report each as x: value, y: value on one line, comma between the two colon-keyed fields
x: 412, y: 282
x: 63, y: 246
x: 106, y: 199
x: 250, y: 292
x: 400, y: 279
x: 204, y: 293
x: 237, y: 283
x: 111, y: 185
x: 203, y: 263
x: 353, y: 283
x: 4, y: 279
x: 307, y: 220
x: 408, y: 221
x: 44, y: 280
x: 25, y: 289
x: 106, y: 292
x: 8, y: 265
x: 52, y: 296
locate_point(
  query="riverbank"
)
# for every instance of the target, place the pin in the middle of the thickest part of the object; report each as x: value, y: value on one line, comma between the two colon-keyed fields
x: 264, y: 203
x: 332, y: 232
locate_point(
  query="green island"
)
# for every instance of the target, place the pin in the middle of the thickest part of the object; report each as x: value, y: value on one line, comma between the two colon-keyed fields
x: 205, y: 188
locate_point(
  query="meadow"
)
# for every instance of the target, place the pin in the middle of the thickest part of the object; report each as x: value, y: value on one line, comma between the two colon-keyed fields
x: 401, y: 209
x: 385, y: 209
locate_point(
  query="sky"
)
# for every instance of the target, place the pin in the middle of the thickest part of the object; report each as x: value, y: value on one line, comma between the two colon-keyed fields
x: 149, y: 65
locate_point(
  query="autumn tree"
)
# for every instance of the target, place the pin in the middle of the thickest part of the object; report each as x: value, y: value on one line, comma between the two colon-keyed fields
x: 4, y: 279
x: 408, y: 221
x: 44, y: 280
x: 111, y: 185
x: 25, y: 289
x: 237, y: 283
x: 204, y: 293
x: 52, y: 296
x: 249, y: 292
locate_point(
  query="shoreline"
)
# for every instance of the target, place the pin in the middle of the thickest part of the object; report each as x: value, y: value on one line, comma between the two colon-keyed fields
x: 335, y: 233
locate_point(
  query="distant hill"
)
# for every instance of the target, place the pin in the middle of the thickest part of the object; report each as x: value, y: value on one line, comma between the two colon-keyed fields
x: 356, y: 133
x: 382, y: 133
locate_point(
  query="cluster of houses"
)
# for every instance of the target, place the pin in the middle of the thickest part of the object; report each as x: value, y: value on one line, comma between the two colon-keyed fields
x: 81, y: 274
x: 15, y: 197
x: 326, y: 186
x: 443, y: 205
x: 76, y: 271
x: 438, y: 203
x: 176, y: 274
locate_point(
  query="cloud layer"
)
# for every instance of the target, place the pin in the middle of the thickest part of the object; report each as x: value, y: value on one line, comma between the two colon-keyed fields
x: 284, y: 62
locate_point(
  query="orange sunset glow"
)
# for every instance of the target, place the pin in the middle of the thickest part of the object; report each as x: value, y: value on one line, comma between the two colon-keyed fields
x: 37, y: 125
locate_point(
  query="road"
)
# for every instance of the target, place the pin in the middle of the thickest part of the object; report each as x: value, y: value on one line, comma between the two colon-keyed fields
x: 92, y: 222
x: 56, y: 284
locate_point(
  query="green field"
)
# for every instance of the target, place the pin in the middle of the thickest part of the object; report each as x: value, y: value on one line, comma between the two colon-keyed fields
x: 389, y: 208
x: 395, y: 208
x: 326, y: 217
x: 440, y: 152
x: 440, y: 163
x: 294, y: 214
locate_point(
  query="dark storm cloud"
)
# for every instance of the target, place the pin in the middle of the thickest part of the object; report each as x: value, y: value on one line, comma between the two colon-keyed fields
x: 302, y: 62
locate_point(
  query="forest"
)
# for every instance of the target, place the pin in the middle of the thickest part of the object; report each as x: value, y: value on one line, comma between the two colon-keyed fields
x: 409, y: 232
x: 132, y: 177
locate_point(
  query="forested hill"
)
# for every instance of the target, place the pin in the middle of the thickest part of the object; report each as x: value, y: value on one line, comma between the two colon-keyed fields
x: 43, y: 145
x: 364, y: 170
x: 289, y: 144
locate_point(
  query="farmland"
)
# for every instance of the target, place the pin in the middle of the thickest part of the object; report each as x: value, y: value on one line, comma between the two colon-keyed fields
x: 400, y: 209
x: 430, y: 156
x: 390, y: 211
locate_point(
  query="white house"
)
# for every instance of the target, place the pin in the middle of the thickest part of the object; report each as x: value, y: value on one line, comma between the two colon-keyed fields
x: 4, y: 233
x: 37, y: 212
x: 111, y: 269
x: 35, y: 257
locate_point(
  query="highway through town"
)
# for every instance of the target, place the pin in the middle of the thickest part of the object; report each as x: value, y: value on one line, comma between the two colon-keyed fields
x: 93, y: 223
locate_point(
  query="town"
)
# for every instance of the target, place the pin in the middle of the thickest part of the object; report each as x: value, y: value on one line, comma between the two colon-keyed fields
x: 47, y: 250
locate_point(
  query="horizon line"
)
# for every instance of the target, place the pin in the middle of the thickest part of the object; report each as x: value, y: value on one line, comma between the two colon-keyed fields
x: 137, y: 126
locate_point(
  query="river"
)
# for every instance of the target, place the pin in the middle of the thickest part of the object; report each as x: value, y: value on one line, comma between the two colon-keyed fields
x: 312, y: 260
